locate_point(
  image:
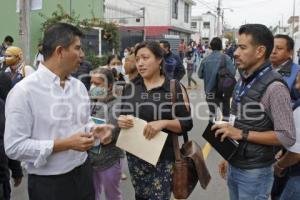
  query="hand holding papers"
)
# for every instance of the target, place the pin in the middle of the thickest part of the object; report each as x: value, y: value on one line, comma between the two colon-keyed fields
x: 102, y: 132
x: 133, y: 141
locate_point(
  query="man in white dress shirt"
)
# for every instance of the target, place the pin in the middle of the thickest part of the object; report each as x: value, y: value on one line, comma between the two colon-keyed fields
x: 48, y: 124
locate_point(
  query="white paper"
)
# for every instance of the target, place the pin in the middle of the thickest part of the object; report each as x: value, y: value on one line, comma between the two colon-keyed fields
x: 133, y: 141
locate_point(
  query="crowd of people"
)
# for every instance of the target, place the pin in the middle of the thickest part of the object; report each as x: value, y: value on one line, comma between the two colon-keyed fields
x: 48, y: 112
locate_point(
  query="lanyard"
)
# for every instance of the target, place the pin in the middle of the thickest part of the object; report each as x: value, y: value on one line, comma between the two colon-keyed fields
x: 243, y: 90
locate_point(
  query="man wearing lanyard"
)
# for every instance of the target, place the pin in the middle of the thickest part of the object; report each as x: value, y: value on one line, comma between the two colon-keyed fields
x: 262, y: 116
x: 281, y: 59
x: 48, y: 123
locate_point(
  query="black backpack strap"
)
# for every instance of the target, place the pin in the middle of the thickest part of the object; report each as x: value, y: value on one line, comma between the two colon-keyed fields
x: 223, y: 61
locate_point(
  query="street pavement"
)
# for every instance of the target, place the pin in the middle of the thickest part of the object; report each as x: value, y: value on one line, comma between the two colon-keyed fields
x: 216, y: 189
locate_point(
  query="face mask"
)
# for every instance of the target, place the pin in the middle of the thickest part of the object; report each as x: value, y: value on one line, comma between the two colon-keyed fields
x: 96, y: 91
x: 125, y: 54
x: 119, y: 69
x: 126, y: 78
x: 2, y: 60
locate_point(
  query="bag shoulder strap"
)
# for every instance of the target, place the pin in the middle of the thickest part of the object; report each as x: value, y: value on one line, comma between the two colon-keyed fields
x: 223, y: 61
x: 174, y: 136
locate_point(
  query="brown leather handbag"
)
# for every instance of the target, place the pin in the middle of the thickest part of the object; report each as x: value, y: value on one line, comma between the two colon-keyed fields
x: 189, y: 166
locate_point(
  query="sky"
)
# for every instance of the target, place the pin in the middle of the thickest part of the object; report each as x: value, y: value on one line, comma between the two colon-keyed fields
x: 238, y: 12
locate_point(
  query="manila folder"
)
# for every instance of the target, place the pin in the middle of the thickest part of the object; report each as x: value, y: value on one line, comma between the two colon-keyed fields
x: 133, y: 141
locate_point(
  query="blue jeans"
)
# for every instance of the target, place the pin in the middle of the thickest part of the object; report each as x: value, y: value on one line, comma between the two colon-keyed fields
x: 250, y: 184
x: 292, y: 189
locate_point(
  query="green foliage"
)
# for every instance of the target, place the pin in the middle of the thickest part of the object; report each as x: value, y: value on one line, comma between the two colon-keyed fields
x: 95, y: 60
x: 60, y: 16
x: 110, y: 30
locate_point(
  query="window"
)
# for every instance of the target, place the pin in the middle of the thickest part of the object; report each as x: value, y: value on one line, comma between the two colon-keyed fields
x: 123, y: 21
x: 206, y: 25
x: 194, y: 25
x: 175, y: 9
x: 186, y: 12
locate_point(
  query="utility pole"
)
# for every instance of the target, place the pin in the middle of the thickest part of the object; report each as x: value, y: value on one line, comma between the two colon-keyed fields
x: 71, y: 8
x: 279, y: 27
x: 293, y: 31
x: 24, y: 31
x: 282, y: 23
x: 144, y: 21
x: 218, y: 18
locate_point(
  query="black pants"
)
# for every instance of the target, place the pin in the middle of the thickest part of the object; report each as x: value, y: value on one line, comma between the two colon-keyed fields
x: 214, y: 101
x: 5, y: 190
x: 190, y: 77
x: 181, y: 56
x: 74, y: 185
x: 278, y: 186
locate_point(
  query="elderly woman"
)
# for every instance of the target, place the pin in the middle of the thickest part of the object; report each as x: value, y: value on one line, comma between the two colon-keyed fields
x: 149, y: 99
x: 106, y: 160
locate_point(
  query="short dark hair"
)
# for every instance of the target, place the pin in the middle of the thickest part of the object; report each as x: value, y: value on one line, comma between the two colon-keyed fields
x: 216, y: 44
x: 111, y: 57
x: 261, y: 35
x: 289, y: 41
x: 59, y: 34
x: 166, y: 44
x: 8, y: 38
x: 154, y: 47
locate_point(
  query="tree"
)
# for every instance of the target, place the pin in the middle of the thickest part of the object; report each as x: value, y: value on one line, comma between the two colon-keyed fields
x: 229, y: 36
x: 110, y: 30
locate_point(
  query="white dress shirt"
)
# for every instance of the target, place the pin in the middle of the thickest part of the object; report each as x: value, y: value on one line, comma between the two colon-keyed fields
x: 38, y: 111
x: 296, y: 147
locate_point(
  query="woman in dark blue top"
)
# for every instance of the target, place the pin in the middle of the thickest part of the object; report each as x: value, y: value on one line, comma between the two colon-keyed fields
x: 149, y: 99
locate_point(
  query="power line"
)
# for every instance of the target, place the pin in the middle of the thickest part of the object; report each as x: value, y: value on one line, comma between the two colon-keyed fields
x: 250, y: 3
x: 161, y: 5
x: 210, y: 3
x: 207, y: 6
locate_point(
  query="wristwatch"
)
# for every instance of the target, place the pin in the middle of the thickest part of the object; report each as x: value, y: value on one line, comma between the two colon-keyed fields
x: 245, y: 133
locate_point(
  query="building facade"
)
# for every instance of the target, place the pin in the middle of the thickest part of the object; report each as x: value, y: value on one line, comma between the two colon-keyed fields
x: 280, y: 30
x: 10, y: 17
x: 294, y: 32
x: 156, y: 19
x: 205, y: 27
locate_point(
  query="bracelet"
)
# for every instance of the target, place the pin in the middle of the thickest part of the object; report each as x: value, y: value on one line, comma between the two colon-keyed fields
x: 278, y: 166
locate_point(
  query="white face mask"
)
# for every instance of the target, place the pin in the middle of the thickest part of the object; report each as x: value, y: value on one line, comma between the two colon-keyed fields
x: 125, y: 54
x: 120, y: 69
x: 96, y: 91
x: 126, y: 78
x: 2, y: 59
x: 92, y: 86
